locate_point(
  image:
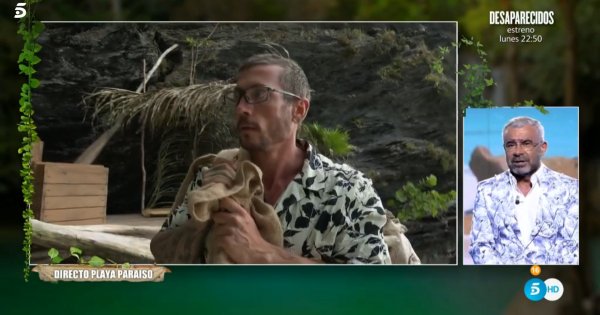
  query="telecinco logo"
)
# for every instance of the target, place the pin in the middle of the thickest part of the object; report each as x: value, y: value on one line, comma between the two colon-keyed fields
x: 536, y: 289
x: 20, y: 10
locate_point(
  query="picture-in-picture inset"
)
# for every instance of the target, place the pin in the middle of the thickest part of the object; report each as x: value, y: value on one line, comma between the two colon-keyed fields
x: 521, y: 188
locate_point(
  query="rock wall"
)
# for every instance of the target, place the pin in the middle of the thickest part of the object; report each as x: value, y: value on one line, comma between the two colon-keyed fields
x: 374, y: 80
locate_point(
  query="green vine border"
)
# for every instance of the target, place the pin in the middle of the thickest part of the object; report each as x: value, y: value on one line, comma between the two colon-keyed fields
x: 29, y: 29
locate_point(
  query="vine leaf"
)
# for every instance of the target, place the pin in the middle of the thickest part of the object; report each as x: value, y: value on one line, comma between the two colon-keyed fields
x: 29, y: 29
x: 35, y: 83
x: 37, y: 28
x: 421, y: 200
x: 96, y: 261
x: 54, y: 256
x: 25, y: 69
x: 76, y: 252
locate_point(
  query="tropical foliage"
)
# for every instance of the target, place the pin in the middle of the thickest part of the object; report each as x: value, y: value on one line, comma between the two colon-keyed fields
x: 416, y: 201
x: 331, y: 142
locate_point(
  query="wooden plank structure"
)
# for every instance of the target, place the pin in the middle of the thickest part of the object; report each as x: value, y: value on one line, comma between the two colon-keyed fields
x: 65, y: 193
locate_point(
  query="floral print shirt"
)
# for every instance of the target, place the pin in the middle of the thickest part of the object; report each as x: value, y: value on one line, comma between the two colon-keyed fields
x: 329, y: 211
x: 554, y: 239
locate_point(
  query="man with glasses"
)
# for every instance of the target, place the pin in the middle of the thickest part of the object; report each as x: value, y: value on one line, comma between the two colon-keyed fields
x: 329, y: 212
x: 528, y: 214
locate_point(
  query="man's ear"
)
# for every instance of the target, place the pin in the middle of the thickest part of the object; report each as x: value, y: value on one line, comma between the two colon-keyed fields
x: 544, y: 147
x: 300, y: 110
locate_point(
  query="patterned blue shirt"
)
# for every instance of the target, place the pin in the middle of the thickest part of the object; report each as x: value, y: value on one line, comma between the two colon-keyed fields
x: 554, y: 239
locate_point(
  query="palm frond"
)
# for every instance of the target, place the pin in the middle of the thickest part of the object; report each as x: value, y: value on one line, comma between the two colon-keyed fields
x: 193, y: 107
x: 332, y: 142
x: 169, y: 171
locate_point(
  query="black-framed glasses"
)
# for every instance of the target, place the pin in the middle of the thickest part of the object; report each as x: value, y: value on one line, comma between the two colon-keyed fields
x: 526, y: 145
x: 253, y: 95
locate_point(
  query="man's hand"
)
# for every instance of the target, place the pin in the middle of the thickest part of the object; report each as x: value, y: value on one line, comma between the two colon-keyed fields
x: 236, y: 233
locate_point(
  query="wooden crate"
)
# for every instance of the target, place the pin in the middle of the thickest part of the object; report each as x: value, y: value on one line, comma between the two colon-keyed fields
x: 73, y: 194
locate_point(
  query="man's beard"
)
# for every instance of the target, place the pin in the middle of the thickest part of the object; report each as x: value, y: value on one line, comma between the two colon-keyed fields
x: 526, y: 170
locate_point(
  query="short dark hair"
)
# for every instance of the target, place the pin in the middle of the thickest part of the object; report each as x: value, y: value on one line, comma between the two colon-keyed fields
x: 292, y: 79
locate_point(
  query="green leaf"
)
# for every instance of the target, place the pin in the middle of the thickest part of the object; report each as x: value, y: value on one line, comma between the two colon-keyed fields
x: 334, y: 141
x: 25, y: 55
x: 489, y: 82
x: 25, y: 69
x: 53, y: 252
x: 37, y: 28
x: 431, y: 180
x: 400, y: 196
x: 421, y: 200
x: 22, y: 28
x: 29, y: 46
x: 126, y: 265
x: 542, y: 109
x: 96, y: 261
x: 35, y: 60
x: 75, y: 251
x: 54, y: 256
x: 34, y: 83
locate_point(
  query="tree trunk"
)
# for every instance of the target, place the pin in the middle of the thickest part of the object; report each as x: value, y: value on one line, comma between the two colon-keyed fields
x: 512, y: 72
x: 117, y: 12
x: 570, y: 84
x: 118, y: 248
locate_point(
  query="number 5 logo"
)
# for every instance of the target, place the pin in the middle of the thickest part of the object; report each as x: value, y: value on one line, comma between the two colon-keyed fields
x: 535, y: 289
x: 20, y: 11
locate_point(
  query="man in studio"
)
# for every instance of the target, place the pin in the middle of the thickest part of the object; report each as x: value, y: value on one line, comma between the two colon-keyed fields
x: 528, y: 214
